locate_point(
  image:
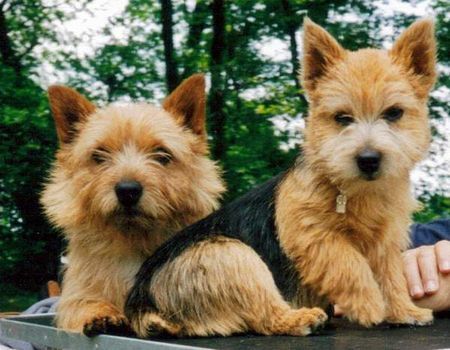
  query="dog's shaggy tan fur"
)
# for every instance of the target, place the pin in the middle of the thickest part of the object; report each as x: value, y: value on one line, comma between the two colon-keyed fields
x: 348, y: 254
x: 163, y: 149
x: 354, y: 258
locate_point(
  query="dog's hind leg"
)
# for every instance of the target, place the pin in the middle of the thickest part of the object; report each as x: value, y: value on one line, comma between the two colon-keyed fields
x: 219, y: 287
x: 150, y: 324
x: 296, y: 322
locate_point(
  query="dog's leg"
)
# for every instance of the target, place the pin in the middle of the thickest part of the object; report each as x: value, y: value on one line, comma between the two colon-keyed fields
x: 219, y: 287
x: 149, y: 324
x: 296, y: 322
x: 331, y: 266
x: 400, y: 308
x: 92, y: 317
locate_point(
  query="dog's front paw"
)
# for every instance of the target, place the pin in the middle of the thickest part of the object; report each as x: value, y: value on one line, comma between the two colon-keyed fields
x: 108, y: 324
x: 299, y: 322
x: 311, y: 321
x: 411, y: 315
x: 367, y: 314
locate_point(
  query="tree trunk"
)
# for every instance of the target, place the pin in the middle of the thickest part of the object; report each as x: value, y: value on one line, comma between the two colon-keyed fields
x: 172, y: 78
x: 291, y: 28
x: 216, y: 100
x: 196, y: 27
x: 46, y: 265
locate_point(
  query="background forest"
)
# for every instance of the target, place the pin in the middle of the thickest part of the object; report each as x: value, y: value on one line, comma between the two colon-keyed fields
x: 140, y: 50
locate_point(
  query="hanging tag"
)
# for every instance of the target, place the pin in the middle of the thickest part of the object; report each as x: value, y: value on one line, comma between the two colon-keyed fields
x: 341, y: 203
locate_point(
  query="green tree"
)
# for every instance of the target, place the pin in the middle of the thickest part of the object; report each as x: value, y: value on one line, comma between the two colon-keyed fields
x: 29, y: 248
x: 167, y: 41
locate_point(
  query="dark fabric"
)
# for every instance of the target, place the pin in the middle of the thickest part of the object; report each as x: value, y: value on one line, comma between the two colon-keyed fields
x: 430, y: 233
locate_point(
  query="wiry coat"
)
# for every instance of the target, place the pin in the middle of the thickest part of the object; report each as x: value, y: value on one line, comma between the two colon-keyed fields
x: 288, y: 243
x: 165, y: 151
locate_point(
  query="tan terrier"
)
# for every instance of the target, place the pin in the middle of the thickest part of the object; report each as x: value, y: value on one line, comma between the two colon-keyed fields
x: 124, y: 180
x: 330, y: 230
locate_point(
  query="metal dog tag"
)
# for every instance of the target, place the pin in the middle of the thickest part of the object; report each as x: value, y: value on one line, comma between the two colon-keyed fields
x: 341, y: 203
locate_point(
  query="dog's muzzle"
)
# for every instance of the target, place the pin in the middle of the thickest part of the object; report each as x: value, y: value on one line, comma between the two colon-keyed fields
x: 369, y: 162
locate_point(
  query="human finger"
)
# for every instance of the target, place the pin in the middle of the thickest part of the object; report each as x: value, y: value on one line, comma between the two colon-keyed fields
x: 426, y: 259
x: 442, y: 249
x: 412, y: 274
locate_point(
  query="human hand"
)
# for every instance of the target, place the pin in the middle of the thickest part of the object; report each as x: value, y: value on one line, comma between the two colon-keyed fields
x: 427, y: 271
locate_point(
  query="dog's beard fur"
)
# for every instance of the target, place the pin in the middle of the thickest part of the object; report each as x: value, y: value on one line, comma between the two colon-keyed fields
x: 155, y: 207
x: 162, y: 150
x: 173, y: 194
x: 399, y: 152
x: 364, y: 85
x: 132, y: 221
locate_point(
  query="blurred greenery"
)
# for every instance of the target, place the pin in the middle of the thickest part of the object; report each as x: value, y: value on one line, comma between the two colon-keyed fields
x: 433, y: 208
x: 15, y: 299
x: 248, y: 89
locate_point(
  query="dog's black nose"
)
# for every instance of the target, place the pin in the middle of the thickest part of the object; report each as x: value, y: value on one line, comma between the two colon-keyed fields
x: 369, y: 161
x: 128, y: 192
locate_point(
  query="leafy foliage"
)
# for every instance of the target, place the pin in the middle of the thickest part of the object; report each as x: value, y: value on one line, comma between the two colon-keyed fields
x: 257, y: 89
x: 433, y: 208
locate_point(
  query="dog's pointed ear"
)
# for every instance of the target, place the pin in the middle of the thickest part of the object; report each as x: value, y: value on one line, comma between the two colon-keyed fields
x: 68, y: 108
x: 320, y: 52
x: 415, y: 51
x: 187, y: 103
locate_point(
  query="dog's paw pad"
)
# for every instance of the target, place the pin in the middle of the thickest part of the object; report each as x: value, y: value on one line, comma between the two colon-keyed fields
x: 106, y: 325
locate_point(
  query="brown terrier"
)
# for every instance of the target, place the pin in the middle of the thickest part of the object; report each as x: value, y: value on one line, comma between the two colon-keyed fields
x: 330, y: 230
x: 125, y: 179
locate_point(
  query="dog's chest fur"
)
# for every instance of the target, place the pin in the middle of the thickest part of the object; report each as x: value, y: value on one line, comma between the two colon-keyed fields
x: 106, y: 264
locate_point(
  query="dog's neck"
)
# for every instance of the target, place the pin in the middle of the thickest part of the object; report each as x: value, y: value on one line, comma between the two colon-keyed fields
x: 351, y: 196
x: 368, y: 212
x: 87, y: 240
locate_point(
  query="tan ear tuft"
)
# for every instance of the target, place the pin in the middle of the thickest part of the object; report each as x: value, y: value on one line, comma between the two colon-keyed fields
x: 68, y: 108
x: 415, y: 51
x: 320, y: 52
x: 188, y: 102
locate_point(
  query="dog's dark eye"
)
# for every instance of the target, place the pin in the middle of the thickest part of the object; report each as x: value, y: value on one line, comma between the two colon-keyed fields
x: 393, y: 114
x: 100, y: 155
x: 344, y: 119
x: 162, y: 155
